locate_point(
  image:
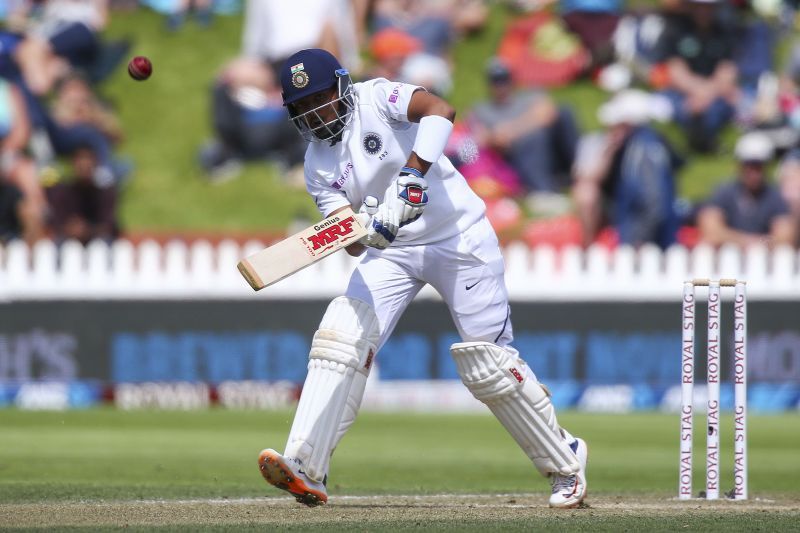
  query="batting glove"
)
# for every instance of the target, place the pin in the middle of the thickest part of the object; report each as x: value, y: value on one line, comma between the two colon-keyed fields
x: 408, y: 195
x: 382, y: 225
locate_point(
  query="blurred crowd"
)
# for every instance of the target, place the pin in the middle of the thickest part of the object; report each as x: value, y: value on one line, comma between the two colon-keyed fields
x: 682, y: 79
x: 60, y: 177
x: 58, y: 173
x: 703, y: 70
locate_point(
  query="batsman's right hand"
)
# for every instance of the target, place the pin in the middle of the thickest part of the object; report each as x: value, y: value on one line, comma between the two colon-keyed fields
x: 382, y: 225
x: 408, y: 195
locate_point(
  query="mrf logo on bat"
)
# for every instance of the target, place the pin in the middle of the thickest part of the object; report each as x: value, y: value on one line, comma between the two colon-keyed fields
x: 327, y: 234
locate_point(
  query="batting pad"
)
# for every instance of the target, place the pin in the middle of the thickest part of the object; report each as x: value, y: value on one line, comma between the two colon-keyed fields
x: 341, y: 353
x: 519, y: 402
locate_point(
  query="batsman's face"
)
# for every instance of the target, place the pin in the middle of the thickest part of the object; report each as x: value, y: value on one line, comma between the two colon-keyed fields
x: 317, y: 109
x: 322, y: 116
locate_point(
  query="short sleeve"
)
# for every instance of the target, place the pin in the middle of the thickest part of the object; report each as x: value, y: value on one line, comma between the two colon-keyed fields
x: 391, y: 99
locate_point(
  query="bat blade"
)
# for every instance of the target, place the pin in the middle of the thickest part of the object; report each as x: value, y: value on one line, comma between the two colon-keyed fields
x: 302, y: 249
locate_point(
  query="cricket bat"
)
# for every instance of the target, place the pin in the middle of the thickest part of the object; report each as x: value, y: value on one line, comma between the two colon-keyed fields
x: 302, y: 249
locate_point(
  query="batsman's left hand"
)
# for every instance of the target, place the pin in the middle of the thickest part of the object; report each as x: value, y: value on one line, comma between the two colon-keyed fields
x: 408, y: 195
x: 382, y: 224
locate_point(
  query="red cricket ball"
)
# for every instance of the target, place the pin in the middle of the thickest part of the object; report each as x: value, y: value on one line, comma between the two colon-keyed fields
x: 140, y: 68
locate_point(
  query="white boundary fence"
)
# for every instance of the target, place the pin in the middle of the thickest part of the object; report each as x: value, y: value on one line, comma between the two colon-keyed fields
x: 199, y: 269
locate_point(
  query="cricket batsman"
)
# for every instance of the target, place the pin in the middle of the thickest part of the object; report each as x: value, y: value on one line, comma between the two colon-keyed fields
x: 377, y: 146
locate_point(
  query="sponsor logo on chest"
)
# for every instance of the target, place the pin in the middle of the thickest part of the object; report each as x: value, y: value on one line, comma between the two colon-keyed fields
x: 348, y: 168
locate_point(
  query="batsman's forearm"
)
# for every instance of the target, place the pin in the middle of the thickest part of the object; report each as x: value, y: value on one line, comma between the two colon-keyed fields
x: 414, y: 161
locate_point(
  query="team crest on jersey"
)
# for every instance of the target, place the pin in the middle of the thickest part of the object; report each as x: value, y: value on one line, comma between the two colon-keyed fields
x: 299, y: 75
x: 372, y: 143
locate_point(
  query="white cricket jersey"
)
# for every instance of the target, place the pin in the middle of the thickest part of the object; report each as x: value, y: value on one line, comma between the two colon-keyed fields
x: 374, y: 147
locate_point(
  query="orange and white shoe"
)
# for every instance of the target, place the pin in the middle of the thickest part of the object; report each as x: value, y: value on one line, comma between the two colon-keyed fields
x: 287, y: 474
x: 569, y: 491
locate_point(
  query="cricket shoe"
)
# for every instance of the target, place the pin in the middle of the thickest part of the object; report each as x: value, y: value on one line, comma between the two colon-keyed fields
x: 569, y: 491
x: 287, y: 474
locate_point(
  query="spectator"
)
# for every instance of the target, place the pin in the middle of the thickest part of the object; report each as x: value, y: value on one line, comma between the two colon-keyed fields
x: 79, y: 118
x: 10, y: 212
x: 412, y: 39
x: 594, y: 22
x: 14, y: 213
x: 789, y: 184
x: 274, y: 29
x: 390, y: 47
x: 434, y: 23
x: 76, y: 103
x: 11, y: 71
x: 201, y: 9
x: 250, y: 122
x: 748, y: 210
x: 248, y: 116
x: 753, y: 53
x: 80, y: 208
x: 81, y: 122
x: 636, y: 45
x: 698, y: 48
x: 12, y: 13
x: 789, y: 88
x: 625, y: 177
x: 532, y: 133
x: 399, y: 56
x: 429, y: 71
x: 16, y: 167
x: 176, y: 11
x: 64, y: 35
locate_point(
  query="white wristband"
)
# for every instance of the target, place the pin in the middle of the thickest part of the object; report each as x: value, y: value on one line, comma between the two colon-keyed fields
x: 432, y: 135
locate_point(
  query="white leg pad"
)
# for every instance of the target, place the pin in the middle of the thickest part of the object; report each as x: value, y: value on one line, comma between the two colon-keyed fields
x: 352, y: 405
x: 343, y: 348
x: 519, y: 402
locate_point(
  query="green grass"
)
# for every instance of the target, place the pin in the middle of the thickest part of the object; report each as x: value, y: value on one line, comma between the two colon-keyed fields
x: 167, y: 118
x: 97, y: 469
x: 107, y: 454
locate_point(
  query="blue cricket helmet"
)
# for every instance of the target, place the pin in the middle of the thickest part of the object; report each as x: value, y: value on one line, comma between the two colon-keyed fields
x: 307, y: 72
x: 310, y: 71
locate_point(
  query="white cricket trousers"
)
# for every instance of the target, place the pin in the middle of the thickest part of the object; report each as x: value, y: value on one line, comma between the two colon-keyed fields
x: 467, y: 270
